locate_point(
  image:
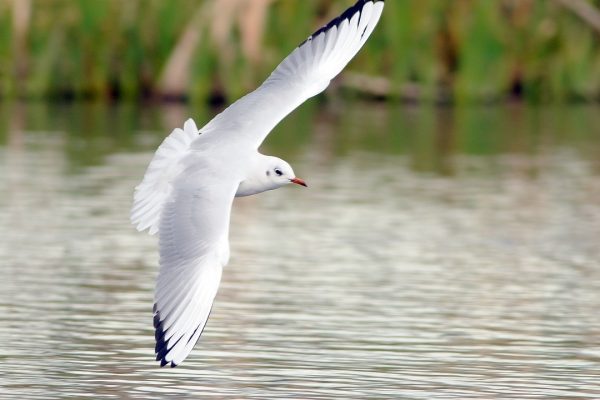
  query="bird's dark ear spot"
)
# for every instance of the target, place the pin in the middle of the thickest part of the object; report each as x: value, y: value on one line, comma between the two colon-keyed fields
x: 268, y: 173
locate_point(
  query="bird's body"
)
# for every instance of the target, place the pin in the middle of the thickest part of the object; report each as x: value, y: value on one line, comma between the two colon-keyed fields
x: 188, y: 189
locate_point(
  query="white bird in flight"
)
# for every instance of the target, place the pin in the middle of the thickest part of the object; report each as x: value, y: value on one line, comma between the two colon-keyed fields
x: 189, y: 186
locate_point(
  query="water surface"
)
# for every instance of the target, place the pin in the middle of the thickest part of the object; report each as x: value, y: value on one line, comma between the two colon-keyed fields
x: 438, y: 253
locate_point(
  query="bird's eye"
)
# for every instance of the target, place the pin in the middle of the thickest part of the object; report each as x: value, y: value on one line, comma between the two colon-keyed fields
x: 278, y: 172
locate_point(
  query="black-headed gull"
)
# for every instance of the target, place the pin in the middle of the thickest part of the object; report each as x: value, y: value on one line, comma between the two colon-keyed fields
x: 189, y: 186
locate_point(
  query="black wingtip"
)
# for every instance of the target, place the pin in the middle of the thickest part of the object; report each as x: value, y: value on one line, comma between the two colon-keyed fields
x: 162, y: 346
x: 348, y: 14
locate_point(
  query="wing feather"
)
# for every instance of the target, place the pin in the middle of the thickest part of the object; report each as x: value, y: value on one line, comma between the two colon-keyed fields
x: 193, y: 250
x: 305, y: 73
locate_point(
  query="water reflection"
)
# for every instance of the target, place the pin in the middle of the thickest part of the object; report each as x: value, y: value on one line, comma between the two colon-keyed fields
x: 438, y: 254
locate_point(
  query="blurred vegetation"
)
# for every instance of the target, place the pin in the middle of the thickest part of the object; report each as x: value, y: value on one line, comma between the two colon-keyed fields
x: 424, y: 50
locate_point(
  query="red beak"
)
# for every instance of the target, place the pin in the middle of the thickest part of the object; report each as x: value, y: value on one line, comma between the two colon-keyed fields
x: 299, y: 181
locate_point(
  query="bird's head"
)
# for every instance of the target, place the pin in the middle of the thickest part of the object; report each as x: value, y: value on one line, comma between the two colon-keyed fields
x: 280, y: 173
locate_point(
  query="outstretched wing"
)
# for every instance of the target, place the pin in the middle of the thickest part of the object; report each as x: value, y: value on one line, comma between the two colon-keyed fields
x: 306, y: 72
x: 194, y: 247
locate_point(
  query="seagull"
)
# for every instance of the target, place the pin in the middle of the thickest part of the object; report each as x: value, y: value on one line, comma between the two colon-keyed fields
x: 189, y: 186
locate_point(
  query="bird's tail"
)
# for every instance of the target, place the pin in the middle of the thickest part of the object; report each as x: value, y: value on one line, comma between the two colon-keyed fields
x: 155, y: 189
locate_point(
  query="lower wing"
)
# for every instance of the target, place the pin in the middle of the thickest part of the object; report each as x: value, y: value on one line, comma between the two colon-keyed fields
x: 194, y: 247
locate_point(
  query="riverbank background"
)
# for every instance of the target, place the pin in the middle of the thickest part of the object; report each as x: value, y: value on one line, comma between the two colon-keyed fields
x: 423, y: 51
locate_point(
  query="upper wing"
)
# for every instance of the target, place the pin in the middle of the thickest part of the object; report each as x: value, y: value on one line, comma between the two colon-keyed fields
x: 306, y: 72
x: 194, y: 247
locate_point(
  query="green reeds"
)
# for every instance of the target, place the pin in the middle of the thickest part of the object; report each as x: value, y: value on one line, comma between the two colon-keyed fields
x: 427, y: 50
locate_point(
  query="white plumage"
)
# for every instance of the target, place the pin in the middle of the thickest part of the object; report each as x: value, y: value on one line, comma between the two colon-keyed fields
x: 155, y: 189
x: 189, y: 186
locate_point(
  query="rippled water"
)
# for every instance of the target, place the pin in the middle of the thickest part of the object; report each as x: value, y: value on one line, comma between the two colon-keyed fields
x: 437, y: 254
